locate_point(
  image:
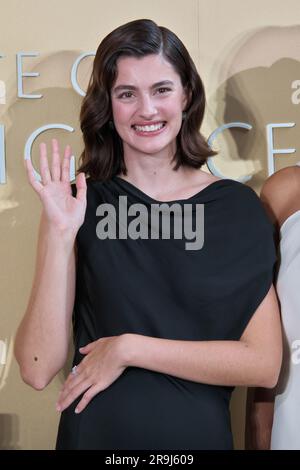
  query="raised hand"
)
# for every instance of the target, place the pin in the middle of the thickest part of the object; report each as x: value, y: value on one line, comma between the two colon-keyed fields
x: 62, y: 211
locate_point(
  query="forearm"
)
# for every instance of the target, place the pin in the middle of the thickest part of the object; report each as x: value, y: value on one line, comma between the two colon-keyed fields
x: 229, y: 363
x: 259, y: 418
x: 42, y: 338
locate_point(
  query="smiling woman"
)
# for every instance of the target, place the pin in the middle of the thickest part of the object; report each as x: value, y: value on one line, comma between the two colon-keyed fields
x: 146, y: 110
x: 145, y: 97
x: 162, y: 332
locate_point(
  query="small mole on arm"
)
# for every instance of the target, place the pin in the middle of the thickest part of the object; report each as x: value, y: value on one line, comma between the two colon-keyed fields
x: 35, y: 358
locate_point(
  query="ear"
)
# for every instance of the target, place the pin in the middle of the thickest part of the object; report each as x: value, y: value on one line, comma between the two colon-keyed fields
x: 186, y: 97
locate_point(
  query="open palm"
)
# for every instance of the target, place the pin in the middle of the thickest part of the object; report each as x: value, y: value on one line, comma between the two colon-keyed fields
x: 61, y: 208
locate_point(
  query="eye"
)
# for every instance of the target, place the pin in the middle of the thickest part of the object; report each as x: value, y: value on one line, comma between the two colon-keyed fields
x: 126, y: 94
x: 163, y: 90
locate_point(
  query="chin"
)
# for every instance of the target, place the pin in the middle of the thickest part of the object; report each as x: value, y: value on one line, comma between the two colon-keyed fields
x: 151, y: 150
x: 152, y: 147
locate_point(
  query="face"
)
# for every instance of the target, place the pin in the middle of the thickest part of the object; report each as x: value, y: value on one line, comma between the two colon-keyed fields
x: 147, y: 103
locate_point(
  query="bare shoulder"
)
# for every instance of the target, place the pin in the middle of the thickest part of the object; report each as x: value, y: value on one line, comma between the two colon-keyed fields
x: 208, y: 178
x: 285, y: 179
x: 280, y: 194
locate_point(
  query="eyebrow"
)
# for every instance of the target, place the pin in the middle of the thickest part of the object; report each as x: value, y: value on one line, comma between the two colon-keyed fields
x: 131, y: 87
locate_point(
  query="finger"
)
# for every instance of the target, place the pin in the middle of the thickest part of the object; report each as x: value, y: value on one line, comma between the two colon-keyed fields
x: 81, y: 187
x: 88, y: 347
x: 55, y: 164
x: 66, y: 165
x: 71, y: 395
x: 68, y: 387
x: 83, y: 351
x: 37, y: 186
x: 72, y: 381
x: 87, y: 397
x: 44, y: 168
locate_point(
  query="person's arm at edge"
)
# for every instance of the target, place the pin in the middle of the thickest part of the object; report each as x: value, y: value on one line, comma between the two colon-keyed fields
x: 275, y: 195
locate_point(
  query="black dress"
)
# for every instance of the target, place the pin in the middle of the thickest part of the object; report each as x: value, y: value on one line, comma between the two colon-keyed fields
x: 158, y: 288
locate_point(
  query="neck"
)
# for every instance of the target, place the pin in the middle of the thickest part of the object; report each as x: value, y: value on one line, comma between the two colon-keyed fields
x: 153, y: 173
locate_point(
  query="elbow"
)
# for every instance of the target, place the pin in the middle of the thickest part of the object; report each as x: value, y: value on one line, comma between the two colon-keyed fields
x: 34, y: 380
x: 29, y: 376
x: 270, y: 374
x: 269, y: 380
x: 35, y: 375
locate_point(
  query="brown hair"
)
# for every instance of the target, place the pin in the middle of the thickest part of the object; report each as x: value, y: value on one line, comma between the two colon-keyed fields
x: 103, y: 155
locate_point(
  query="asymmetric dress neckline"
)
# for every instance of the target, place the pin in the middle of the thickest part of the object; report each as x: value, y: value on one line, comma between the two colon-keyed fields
x: 185, y: 200
x: 157, y: 287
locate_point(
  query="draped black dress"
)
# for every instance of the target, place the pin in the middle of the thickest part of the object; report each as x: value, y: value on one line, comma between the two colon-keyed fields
x: 158, y: 288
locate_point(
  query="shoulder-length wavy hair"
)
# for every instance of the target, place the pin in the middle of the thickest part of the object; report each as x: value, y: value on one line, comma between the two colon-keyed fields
x: 103, y: 156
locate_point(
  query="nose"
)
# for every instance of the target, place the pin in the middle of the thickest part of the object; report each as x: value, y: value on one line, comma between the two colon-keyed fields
x: 147, y: 109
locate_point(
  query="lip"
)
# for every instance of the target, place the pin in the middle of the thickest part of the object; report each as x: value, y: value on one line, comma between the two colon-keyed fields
x: 147, y: 133
x: 147, y: 123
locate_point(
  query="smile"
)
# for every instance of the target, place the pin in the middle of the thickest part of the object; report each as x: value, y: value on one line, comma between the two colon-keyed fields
x: 149, y: 129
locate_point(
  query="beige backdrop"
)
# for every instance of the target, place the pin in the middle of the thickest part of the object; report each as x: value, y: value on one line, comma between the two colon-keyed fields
x: 248, y: 56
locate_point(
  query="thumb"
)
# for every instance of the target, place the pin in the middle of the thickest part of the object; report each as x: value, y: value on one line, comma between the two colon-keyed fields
x: 81, y: 187
x: 86, y: 349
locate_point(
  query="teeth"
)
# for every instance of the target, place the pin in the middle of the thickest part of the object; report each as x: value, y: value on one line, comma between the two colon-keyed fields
x: 153, y: 127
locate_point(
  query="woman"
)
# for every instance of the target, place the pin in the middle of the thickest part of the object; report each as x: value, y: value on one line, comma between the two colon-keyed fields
x: 273, y: 415
x: 162, y: 332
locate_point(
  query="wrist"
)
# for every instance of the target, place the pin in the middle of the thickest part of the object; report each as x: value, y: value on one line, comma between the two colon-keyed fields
x: 65, y: 236
x: 127, y: 347
x: 53, y: 241
x: 59, y: 230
